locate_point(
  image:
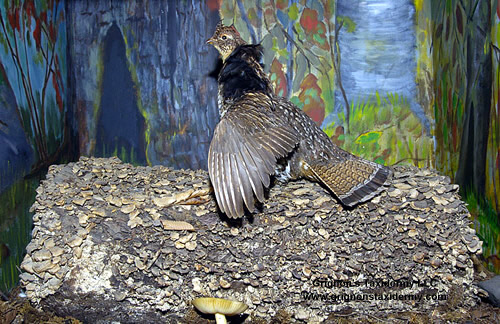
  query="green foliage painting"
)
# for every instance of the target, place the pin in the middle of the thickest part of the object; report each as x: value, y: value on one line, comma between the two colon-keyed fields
x: 493, y: 154
x: 299, y: 56
x: 488, y: 219
x: 304, y: 57
x: 458, y: 72
x: 384, y: 130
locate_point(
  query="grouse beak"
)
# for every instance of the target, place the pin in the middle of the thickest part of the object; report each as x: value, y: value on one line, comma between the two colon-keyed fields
x: 210, y: 41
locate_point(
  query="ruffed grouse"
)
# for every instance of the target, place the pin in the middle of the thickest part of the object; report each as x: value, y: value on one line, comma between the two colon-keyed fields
x: 260, y: 135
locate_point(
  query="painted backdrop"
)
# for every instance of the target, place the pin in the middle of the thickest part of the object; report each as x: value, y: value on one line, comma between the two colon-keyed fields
x: 141, y: 83
x: 33, y: 82
x: 35, y: 118
x: 395, y: 82
x: 350, y: 65
x: 410, y: 81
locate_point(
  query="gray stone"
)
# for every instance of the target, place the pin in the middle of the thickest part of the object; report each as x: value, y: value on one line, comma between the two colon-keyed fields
x: 492, y: 286
x: 269, y: 258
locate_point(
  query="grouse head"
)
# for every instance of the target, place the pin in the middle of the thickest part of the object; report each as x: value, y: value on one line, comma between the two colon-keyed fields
x: 225, y: 39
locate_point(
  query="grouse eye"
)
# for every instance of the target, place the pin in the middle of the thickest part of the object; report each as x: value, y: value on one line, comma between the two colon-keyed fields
x: 224, y: 37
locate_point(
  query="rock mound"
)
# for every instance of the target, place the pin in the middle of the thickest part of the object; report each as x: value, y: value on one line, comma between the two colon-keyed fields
x: 113, y: 242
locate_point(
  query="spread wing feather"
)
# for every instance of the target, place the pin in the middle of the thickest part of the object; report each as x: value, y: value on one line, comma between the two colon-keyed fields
x: 246, y: 184
x: 251, y: 171
x: 225, y: 190
x: 243, y: 155
x: 239, y: 187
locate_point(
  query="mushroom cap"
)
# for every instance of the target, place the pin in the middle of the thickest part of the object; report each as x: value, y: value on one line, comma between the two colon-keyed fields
x: 212, y: 305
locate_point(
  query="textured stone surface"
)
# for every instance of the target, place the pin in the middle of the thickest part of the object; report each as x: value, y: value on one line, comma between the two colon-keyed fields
x: 101, y: 247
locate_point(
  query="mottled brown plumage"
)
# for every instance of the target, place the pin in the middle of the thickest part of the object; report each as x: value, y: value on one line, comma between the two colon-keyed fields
x: 260, y: 135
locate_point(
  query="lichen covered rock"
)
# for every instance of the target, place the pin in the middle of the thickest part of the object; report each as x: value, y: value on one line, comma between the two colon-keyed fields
x: 117, y: 242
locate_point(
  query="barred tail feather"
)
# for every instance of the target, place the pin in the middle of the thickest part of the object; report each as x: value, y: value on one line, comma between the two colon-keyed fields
x: 352, y: 181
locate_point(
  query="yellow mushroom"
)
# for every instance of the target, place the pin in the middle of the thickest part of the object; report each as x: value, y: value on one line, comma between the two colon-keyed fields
x: 219, y: 307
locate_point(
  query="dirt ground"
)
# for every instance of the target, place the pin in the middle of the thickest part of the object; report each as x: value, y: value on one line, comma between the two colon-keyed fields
x: 15, y: 310
x: 19, y: 310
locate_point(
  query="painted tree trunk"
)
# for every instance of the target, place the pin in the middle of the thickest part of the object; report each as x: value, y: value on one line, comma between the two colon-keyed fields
x: 471, y: 173
x: 164, y: 107
x: 378, y: 51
